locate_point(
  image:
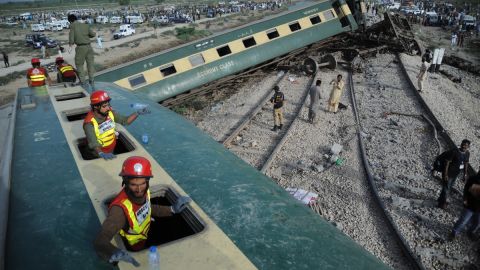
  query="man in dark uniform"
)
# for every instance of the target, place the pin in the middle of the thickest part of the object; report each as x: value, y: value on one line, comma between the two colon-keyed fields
x: 130, y: 214
x: 471, y: 208
x: 5, y: 59
x: 80, y: 34
x: 277, y: 99
x: 99, y: 125
x: 456, y: 160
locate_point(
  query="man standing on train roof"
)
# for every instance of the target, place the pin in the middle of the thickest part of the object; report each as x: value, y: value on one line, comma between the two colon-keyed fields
x: 99, y: 124
x: 66, y: 72
x: 336, y: 94
x: 37, y: 75
x: 278, y: 99
x: 130, y: 214
x: 453, y: 162
x: 80, y: 34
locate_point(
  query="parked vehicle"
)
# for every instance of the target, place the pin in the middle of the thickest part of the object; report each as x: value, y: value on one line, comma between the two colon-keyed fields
x: 56, y: 26
x: 115, y: 19
x: 64, y: 22
x: 134, y: 19
x: 180, y: 20
x: 102, y: 19
x: 37, y: 27
x: 125, y: 30
x: 469, y: 22
x: 25, y: 16
x: 48, y: 42
x: 393, y: 6
x: 432, y: 18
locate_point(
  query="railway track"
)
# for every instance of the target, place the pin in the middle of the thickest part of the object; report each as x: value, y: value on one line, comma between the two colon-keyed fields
x: 399, y: 143
x: 396, y: 120
x: 253, y: 139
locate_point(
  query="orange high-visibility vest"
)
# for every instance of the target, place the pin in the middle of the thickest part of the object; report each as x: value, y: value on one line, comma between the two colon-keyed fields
x: 37, y: 76
x: 138, y: 216
x: 105, y: 132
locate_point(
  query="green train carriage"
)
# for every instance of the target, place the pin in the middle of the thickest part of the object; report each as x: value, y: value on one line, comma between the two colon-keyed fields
x: 178, y: 70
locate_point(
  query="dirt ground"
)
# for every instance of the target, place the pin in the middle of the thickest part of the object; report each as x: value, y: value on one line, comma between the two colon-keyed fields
x: 436, y: 37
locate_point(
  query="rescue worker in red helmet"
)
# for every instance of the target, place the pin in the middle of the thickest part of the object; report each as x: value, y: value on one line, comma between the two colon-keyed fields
x: 130, y: 214
x: 99, y: 124
x: 37, y: 75
x: 66, y: 72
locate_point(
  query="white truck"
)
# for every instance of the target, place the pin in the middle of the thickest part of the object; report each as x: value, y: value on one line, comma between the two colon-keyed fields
x: 102, y: 19
x: 125, y: 30
x: 134, y: 19
x: 38, y: 27
x: 115, y: 19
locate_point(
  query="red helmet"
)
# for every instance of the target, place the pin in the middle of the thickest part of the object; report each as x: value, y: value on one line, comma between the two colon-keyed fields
x: 58, y: 59
x: 99, y: 96
x: 136, y: 167
x: 35, y: 60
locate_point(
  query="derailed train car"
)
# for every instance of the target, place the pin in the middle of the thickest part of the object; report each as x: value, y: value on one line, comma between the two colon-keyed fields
x: 175, y: 71
x: 238, y: 219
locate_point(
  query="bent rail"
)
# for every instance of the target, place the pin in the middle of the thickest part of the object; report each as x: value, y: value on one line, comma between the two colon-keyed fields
x: 416, y: 263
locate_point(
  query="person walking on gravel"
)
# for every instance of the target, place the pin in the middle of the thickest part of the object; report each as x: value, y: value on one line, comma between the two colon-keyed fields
x: 315, y: 96
x: 471, y: 208
x: 278, y: 100
x: 456, y: 160
x: 422, y: 75
x: 336, y: 94
x: 5, y: 59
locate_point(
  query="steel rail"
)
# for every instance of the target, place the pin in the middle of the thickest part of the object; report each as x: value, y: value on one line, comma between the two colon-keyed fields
x: 442, y: 132
x: 252, y: 113
x: 279, y: 145
x: 415, y: 261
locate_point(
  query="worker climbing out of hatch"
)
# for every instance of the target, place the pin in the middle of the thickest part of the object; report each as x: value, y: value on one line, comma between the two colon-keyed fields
x: 130, y: 214
x: 99, y: 124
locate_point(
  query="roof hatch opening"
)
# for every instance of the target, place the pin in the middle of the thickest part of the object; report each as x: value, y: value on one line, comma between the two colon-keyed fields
x: 168, y: 229
x: 124, y: 145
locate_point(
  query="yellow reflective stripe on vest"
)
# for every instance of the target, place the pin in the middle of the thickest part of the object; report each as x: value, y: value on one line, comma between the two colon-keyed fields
x: 139, y: 231
x: 106, y: 138
x: 66, y: 68
x: 37, y: 78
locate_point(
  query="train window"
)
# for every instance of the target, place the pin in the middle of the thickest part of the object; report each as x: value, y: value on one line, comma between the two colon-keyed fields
x: 315, y: 19
x: 328, y: 14
x: 273, y: 33
x: 249, y: 42
x: 168, y: 70
x: 137, y: 80
x: 294, y: 26
x: 225, y: 50
x: 196, y: 59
